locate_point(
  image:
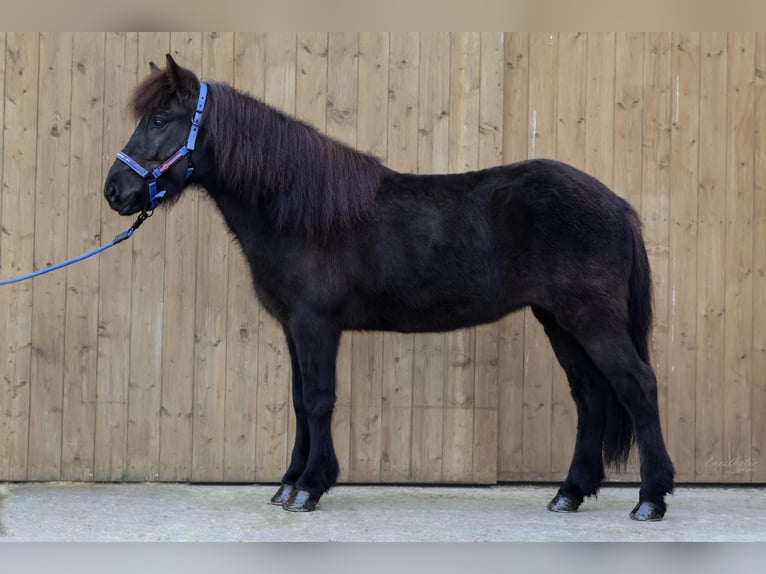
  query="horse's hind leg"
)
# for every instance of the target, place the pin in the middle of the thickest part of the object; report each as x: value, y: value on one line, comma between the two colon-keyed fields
x: 635, y: 385
x: 301, y: 446
x: 586, y: 384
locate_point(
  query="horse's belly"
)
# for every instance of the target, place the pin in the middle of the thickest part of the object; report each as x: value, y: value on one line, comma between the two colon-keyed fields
x: 446, y: 315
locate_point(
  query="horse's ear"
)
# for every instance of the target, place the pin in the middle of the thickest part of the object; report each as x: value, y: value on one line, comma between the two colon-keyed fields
x: 174, y: 73
x: 171, y: 63
x: 182, y: 81
x: 153, y: 67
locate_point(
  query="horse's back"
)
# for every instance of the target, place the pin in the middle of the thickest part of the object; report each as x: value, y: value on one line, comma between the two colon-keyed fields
x: 530, y: 209
x: 550, y: 208
x: 460, y: 249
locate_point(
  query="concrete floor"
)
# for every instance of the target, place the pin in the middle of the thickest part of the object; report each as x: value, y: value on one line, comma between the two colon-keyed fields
x: 179, y: 512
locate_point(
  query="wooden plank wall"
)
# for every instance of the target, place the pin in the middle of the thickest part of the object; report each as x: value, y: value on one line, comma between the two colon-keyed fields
x: 153, y: 362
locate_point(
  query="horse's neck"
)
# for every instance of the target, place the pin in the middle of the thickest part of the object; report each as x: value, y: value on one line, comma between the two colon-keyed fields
x: 309, y: 184
x: 242, y: 219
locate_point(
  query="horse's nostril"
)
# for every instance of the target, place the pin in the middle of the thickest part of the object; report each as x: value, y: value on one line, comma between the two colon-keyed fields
x: 111, y: 192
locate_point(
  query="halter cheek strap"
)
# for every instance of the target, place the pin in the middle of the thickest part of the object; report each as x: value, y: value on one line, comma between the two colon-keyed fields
x: 155, y: 195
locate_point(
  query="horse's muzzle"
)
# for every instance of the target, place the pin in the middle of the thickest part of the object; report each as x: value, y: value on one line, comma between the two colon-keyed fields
x: 124, y: 203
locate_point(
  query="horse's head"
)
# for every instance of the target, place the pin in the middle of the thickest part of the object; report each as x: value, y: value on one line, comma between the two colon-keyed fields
x: 156, y: 162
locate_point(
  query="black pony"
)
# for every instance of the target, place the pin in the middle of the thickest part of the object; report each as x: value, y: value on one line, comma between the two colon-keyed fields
x: 336, y: 241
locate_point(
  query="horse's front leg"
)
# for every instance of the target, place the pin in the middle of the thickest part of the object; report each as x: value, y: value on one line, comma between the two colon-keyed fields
x: 315, y: 342
x: 301, y: 446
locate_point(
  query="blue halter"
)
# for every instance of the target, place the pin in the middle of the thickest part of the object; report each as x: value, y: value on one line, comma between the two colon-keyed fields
x: 155, y: 195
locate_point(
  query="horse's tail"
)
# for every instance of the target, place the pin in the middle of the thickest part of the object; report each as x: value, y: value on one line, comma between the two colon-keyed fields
x: 619, y: 435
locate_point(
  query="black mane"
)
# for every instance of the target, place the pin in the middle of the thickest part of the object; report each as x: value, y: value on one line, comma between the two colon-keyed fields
x: 311, y: 184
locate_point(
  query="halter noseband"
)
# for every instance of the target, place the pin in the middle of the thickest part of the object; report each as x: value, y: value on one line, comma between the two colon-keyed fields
x: 184, y: 151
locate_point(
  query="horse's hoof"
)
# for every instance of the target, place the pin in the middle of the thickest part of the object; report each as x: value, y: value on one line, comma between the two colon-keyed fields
x: 561, y: 503
x: 301, y: 501
x: 647, y: 512
x: 283, y: 495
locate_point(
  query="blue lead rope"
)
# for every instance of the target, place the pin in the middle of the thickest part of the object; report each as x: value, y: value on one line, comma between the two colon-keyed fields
x: 118, y: 239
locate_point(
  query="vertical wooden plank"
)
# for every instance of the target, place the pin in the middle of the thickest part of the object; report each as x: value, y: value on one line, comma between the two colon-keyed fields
x: 342, y: 111
x: 212, y: 303
x: 49, y: 292
x: 273, y: 359
x: 311, y: 79
x: 398, y: 349
x: 628, y: 114
x: 4, y: 423
x: 682, y: 282
x: 628, y: 139
x: 17, y: 220
x: 2, y: 111
x: 243, y: 309
x: 538, y: 357
x: 81, y: 330
x: 655, y: 195
x: 367, y: 348
x: 490, y: 148
x: 711, y: 208
x: 757, y: 462
x: 510, y: 384
x: 465, y: 63
x: 311, y: 107
x: 570, y: 145
x: 430, y: 351
x: 372, y: 113
x: 738, y: 328
x: 628, y: 142
x: 571, y: 141
x: 599, y: 159
x: 146, y: 316
x: 115, y: 272
x: 599, y: 150
x: 177, y: 374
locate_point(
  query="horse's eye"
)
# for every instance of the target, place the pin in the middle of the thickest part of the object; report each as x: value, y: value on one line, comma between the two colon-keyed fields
x: 158, y: 122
